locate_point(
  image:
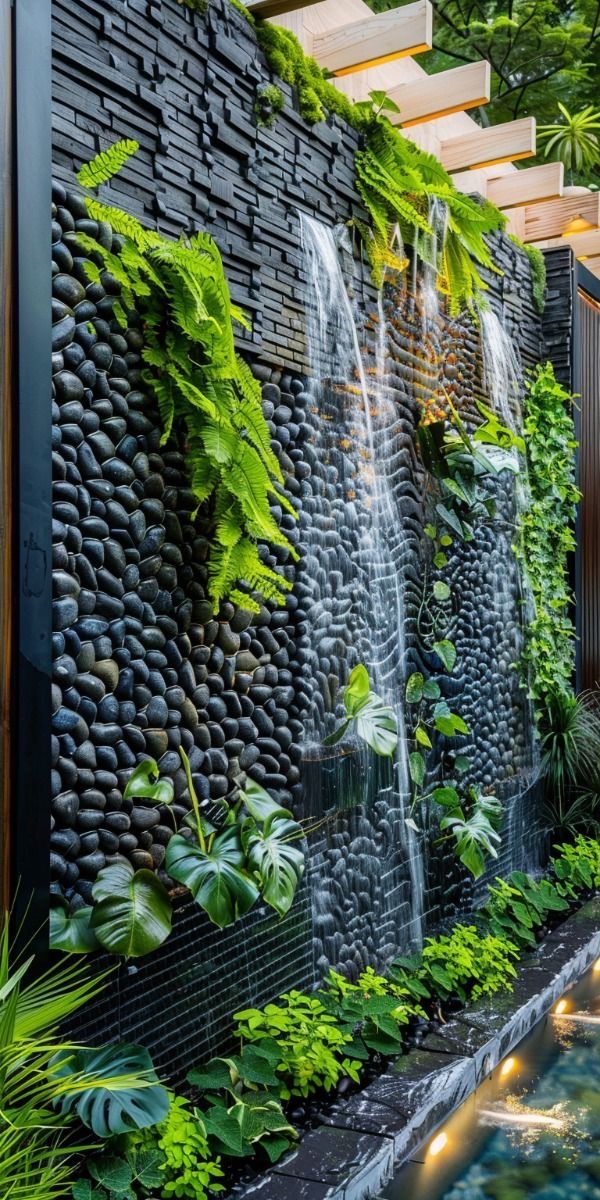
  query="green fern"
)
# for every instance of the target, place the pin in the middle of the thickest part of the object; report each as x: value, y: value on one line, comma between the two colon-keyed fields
x: 396, y: 181
x: 192, y: 368
x: 106, y: 164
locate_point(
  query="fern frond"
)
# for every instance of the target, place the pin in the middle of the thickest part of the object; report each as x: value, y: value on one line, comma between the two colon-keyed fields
x: 107, y: 163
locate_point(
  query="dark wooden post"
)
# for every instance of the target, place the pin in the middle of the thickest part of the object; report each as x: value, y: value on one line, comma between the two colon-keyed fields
x: 25, y: 456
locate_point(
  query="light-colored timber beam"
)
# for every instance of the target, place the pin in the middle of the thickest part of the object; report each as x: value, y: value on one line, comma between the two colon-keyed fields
x: 277, y: 8
x: 571, y: 214
x: 592, y: 264
x: 375, y: 39
x: 442, y: 94
x: 531, y: 186
x: 583, y: 245
x: 486, y: 147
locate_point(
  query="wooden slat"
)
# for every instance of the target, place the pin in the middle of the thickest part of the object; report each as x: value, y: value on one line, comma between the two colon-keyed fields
x: 277, y: 8
x: 485, y: 147
x: 375, y: 39
x: 552, y: 220
x: 593, y: 264
x: 439, y: 95
x: 531, y: 186
x: 583, y: 245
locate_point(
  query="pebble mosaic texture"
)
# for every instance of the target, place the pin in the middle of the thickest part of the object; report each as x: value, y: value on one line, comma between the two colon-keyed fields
x: 141, y: 664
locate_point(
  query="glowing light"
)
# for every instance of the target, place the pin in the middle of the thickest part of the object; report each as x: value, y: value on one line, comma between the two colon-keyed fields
x: 536, y: 1120
x: 596, y: 967
x: 438, y: 1144
x: 583, y: 1018
x: 561, y: 1007
x: 578, y: 225
x: 508, y: 1065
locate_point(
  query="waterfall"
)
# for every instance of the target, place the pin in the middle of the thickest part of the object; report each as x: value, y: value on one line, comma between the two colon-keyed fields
x: 351, y: 587
x: 503, y: 383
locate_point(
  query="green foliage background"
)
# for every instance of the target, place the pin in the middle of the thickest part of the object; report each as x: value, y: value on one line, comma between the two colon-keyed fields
x: 541, y: 51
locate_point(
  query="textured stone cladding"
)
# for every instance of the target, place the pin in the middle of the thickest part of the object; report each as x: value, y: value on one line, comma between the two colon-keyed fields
x: 141, y: 663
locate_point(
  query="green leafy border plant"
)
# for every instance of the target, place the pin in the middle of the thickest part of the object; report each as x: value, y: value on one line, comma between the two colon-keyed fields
x: 546, y: 537
x: 196, y: 376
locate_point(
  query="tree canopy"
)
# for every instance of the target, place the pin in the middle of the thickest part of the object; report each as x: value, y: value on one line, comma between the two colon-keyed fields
x: 541, y: 52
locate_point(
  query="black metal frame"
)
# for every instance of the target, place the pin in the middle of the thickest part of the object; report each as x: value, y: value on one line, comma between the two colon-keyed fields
x: 581, y: 280
x: 31, y: 711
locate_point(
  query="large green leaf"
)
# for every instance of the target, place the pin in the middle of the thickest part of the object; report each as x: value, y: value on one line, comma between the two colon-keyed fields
x: 132, y: 914
x: 376, y: 723
x: 72, y: 932
x: 277, y: 861
x: 260, y: 804
x: 357, y: 691
x: 215, y: 878
x: 112, y: 1090
x: 145, y: 783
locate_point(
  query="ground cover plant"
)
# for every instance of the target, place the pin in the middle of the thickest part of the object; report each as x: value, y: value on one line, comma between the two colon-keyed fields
x: 307, y: 1046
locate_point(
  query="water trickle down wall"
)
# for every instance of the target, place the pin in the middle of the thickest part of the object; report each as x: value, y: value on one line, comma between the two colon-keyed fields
x: 246, y: 696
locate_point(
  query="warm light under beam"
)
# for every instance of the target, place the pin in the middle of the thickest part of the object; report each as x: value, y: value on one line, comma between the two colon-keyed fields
x: 507, y: 1067
x: 561, y: 1007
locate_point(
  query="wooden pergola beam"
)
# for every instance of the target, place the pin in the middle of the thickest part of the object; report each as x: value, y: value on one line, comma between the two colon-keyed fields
x: 440, y: 95
x: 277, y: 8
x: 583, y: 245
x: 569, y: 214
x: 375, y: 39
x: 486, y: 147
x: 532, y: 186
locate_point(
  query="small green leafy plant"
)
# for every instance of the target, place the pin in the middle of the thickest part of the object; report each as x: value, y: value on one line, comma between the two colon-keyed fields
x: 519, y: 905
x: 374, y: 721
x: 268, y: 104
x: 188, y: 1169
x: 375, y: 1009
x: 468, y: 965
x: 244, y: 1113
x: 312, y: 1049
x: 577, y: 866
x: 117, y: 1176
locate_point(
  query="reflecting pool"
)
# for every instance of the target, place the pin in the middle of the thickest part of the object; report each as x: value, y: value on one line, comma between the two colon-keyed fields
x: 532, y: 1130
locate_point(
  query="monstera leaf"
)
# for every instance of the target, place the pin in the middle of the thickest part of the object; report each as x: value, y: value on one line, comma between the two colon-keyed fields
x: 145, y: 783
x: 376, y: 724
x: 375, y: 721
x: 214, y: 876
x: 132, y: 914
x: 260, y: 804
x: 113, y: 1089
x: 72, y: 933
x: 276, y: 860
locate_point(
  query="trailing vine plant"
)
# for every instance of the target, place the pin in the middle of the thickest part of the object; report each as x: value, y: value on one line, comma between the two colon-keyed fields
x: 460, y: 465
x: 546, y: 537
x: 197, y: 378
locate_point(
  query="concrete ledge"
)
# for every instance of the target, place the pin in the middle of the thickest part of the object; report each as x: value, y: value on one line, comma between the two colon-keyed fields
x: 353, y: 1154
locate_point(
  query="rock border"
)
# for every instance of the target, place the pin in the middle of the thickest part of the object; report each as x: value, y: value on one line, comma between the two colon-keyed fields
x: 366, y: 1138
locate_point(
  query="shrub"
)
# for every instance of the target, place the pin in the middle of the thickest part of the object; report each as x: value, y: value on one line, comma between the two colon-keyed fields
x: 468, y: 965
x: 312, y: 1048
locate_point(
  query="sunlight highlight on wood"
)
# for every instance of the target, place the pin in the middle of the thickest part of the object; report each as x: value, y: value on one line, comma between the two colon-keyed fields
x: 530, y: 187
x: 439, y: 95
x: 508, y: 142
x: 375, y: 39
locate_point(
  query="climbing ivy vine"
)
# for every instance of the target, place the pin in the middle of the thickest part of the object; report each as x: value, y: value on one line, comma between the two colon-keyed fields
x: 197, y: 378
x: 546, y: 536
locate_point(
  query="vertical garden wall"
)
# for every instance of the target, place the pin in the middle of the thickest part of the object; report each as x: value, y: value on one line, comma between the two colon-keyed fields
x: 142, y: 663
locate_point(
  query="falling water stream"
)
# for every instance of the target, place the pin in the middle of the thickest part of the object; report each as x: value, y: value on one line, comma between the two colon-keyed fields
x: 353, y: 583
x: 503, y: 384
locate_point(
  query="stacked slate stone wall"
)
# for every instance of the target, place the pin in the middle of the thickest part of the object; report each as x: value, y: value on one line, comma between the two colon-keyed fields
x: 141, y: 663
